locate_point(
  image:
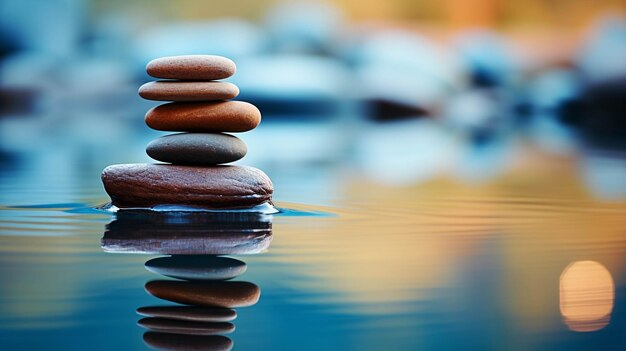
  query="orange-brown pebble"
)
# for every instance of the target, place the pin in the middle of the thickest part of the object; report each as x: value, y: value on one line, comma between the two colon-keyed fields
x: 194, y: 67
x: 188, y: 91
x: 222, y: 116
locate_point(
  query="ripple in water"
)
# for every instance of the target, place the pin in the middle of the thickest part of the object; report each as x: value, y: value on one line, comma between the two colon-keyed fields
x: 266, y: 208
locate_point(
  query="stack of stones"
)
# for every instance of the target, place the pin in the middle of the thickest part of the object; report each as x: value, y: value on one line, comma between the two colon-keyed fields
x: 200, y: 110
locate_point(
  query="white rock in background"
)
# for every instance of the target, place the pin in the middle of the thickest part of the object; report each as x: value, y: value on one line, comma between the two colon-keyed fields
x: 233, y: 38
x: 472, y: 111
x: 487, y: 57
x: 603, y: 56
x: 285, y: 76
x: 605, y: 174
x: 405, y: 153
x: 407, y: 68
x: 548, y: 90
x: 304, y: 27
x: 51, y: 27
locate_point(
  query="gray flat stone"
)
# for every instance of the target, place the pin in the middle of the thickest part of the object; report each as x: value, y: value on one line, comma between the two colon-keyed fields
x: 197, y: 148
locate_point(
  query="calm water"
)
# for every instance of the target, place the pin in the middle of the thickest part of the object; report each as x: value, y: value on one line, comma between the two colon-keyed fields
x: 504, y: 248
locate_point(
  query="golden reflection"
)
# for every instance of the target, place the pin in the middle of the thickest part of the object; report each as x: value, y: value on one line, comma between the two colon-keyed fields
x: 390, y: 246
x: 586, y: 295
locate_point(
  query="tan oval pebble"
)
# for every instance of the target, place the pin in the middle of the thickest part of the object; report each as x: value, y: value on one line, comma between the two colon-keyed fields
x: 210, y: 294
x: 188, y: 91
x: 194, y: 67
x: 223, y: 116
x: 215, y: 187
x: 181, y: 342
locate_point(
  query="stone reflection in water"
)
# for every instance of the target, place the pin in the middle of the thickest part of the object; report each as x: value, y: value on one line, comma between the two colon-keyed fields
x: 197, y: 267
x: 587, y: 294
x: 181, y: 342
x: 190, y: 313
x: 188, y: 233
x: 175, y: 326
x: 195, y: 242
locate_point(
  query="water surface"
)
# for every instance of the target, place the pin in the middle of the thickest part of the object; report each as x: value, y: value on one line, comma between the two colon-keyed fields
x: 530, y: 256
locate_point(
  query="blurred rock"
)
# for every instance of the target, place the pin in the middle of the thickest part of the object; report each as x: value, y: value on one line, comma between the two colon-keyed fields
x: 600, y: 113
x: 602, y: 56
x: 17, y: 101
x: 477, y: 114
x: 295, y: 85
x: 304, y: 27
x: 51, y: 27
x: 26, y: 69
x: 604, y: 173
x: 405, y: 152
x: 487, y: 58
x: 406, y: 69
x: 234, y: 38
x: 550, y: 90
x: 382, y: 109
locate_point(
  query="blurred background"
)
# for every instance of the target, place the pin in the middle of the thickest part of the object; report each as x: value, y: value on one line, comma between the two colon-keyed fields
x: 398, y: 91
x: 459, y: 168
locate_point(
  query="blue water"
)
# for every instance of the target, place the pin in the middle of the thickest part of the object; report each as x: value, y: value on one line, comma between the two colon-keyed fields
x: 357, y: 258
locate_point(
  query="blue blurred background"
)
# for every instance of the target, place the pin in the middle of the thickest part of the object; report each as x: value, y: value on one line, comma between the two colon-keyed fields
x: 401, y: 90
x: 466, y: 157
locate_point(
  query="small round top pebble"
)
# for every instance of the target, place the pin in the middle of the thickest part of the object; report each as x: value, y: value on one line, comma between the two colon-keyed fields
x: 194, y: 67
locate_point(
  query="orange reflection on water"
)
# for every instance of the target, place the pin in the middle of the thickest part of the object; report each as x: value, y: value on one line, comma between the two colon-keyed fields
x: 587, y: 293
